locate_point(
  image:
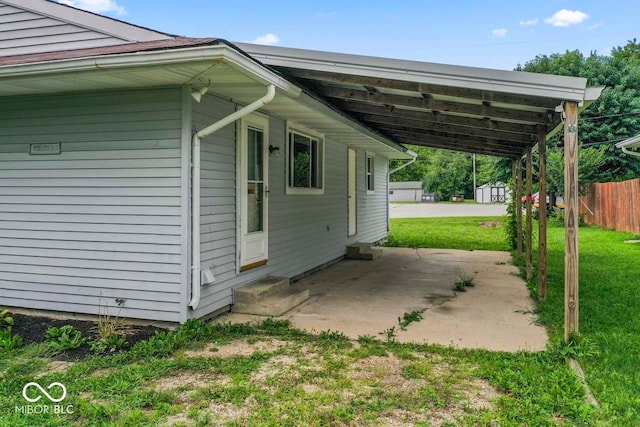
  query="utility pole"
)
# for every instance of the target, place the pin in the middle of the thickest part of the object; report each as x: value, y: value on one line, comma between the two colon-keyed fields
x: 474, y: 179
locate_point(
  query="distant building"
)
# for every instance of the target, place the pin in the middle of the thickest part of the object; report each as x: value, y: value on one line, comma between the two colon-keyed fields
x: 410, y: 191
x: 495, y: 192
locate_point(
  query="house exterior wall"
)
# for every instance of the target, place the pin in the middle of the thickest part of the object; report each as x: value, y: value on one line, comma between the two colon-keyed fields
x: 25, y: 32
x: 103, y: 219
x: 305, y: 231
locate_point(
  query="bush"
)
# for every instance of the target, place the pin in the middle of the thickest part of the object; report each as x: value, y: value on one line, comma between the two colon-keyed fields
x: 556, y: 218
x: 109, y: 343
x: 63, y: 338
x: 8, y: 340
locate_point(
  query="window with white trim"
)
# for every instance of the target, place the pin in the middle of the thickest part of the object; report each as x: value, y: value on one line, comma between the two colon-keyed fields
x: 305, y: 168
x: 370, y: 170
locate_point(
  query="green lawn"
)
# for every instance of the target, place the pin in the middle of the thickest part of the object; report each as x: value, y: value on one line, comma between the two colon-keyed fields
x: 609, y: 315
x: 268, y: 374
x: 472, y: 233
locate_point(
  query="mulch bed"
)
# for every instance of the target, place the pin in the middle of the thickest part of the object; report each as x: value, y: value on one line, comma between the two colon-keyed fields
x: 32, y: 329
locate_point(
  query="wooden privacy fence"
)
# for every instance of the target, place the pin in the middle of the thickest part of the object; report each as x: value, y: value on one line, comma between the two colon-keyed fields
x: 613, y: 205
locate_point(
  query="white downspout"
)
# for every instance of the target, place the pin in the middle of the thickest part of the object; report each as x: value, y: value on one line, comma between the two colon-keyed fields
x: 195, y: 186
x: 411, y: 153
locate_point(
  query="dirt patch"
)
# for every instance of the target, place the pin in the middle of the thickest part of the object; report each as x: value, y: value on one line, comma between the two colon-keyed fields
x: 490, y: 224
x: 388, y: 372
x: 237, y: 348
x: 32, y: 329
x: 220, y: 413
x: 55, y: 367
x: 275, y: 367
x: 480, y: 394
x: 183, y: 380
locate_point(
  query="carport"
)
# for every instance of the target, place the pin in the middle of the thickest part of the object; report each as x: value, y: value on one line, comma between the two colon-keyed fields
x: 474, y: 110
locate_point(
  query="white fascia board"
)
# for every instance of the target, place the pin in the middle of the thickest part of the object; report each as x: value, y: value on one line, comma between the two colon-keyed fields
x: 221, y: 53
x: 113, y: 27
x: 517, y: 82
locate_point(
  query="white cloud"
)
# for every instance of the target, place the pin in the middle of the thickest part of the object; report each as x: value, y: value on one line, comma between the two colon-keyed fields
x: 529, y: 22
x: 566, y: 18
x: 269, y: 39
x: 499, y: 32
x: 97, y: 6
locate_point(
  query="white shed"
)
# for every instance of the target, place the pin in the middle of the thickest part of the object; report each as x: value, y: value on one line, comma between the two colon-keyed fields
x: 495, y: 192
x: 410, y: 191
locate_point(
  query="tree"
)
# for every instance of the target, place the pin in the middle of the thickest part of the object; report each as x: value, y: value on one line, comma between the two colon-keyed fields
x: 449, y: 173
x: 614, y: 117
x: 415, y: 171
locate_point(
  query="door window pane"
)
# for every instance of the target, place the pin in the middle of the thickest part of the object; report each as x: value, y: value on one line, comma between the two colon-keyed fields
x: 254, y: 154
x: 255, y: 212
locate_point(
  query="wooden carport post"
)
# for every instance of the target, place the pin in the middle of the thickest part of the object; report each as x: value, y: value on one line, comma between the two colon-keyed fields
x: 542, y: 218
x: 571, y: 219
x: 519, y: 205
x: 529, y: 236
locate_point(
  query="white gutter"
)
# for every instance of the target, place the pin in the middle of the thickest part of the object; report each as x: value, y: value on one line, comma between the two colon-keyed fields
x: 411, y: 153
x: 195, y: 186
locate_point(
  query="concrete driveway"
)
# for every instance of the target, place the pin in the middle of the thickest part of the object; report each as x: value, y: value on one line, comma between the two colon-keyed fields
x: 367, y: 298
x: 431, y: 210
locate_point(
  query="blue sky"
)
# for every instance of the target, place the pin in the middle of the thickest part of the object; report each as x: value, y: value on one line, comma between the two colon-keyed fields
x: 488, y: 33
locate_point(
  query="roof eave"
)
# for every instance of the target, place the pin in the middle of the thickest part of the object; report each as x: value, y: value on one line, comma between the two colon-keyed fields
x: 223, y: 53
x: 557, y: 87
x: 213, y: 53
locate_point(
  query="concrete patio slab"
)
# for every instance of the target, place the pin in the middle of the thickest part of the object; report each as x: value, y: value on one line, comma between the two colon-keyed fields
x: 367, y: 298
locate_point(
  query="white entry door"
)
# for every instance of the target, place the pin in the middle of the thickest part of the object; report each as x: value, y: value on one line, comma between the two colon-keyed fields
x: 253, y: 200
x: 352, y: 194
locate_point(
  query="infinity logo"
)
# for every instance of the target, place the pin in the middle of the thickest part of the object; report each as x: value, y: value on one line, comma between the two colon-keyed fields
x: 43, y: 391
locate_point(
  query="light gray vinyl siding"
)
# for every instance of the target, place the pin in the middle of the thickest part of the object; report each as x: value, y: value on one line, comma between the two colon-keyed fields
x: 24, y: 32
x: 305, y: 231
x: 101, y: 221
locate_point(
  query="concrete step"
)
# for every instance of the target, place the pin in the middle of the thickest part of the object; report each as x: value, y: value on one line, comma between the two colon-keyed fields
x: 275, y: 304
x: 363, y: 251
x: 263, y: 288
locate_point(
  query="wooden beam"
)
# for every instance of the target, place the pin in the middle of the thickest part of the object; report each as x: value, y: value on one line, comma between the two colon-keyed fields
x: 542, y: 218
x: 444, y: 136
x: 443, y: 127
x: 431, y: 104
x: 436, y: 117
x: 425, y: 88
x: 519, y: 206
x: 529, y: 240
x: 464, y: 149
x: 571, y: 219
x: 470, y: 146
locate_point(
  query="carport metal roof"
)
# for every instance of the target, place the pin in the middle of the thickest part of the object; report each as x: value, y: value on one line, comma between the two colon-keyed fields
x: 468, y: 109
